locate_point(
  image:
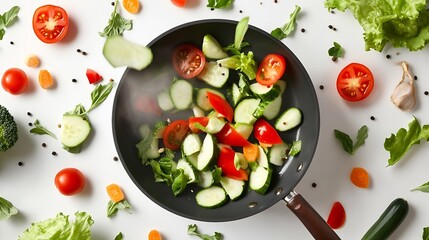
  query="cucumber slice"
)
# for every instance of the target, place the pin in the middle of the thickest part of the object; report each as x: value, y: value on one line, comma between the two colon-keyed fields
x: 243, y: 113
x: 264, y: 92
x: 191, y: 144
x: 202, y: 100
x: 236, y: 94
x: 181, y: 94
x: 212, y: 49
x: 273, y: 108
x: 119, y: 52
x: 233, y: 188
x: 282, y: 84
x: 211, y: 197
x: 244, y: 129
x: 209, y: 152
x: 164, y: 101
x: 206, y: 179
x: 74, y: 130
x: 289, y: 119
x: 260, y: 178
x: 189, y: 171
x: 240, y: 161
x: 214, y: 75
x: 277, y: 154
x: 198, y: 112
x: 193, y: 159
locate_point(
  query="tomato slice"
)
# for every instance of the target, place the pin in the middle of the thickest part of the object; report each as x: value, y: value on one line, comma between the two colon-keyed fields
x: 179, y: 3
x: 271, y: 69
x: 226, y: 163
x: 337, y: 216
x: 355, y: 82
x: 175, y: 133
x: 228, y: 135
x: 203, y: 121
x: 265, y: 133
x: 93, y: 76
x: 50, y: 23
x: 220, y: 105
x: 188, y: 60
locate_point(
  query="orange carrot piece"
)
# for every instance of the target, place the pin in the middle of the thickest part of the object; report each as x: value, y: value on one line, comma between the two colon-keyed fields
x: 251, y: 152
x: 132, y: 6
x: 359, y: 177
x: 115, y: 193
x: 45, y: 79
x: 154, y: 235
x: 32, y: 61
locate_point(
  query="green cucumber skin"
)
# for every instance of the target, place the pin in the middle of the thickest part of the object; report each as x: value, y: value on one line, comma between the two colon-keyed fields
x: 388, y: 221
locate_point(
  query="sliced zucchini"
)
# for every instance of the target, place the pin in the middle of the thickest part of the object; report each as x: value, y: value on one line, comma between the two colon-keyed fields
x: 201, y: 99
x: 212, y: 49
x: 233, y: 188
x: 260, y: 177
x: 214, y: 75
x: 206, y: 179
x: 278, y: 153
x: 211, y: 197
x: 266, y: 93
x: 191, y: 144
x: 164, y: 101
x: 209, y: 152
x: 243, y: 112
x: 189, y: 171
x: 181, y: 93
x: 288, y: 119
x: 273, y: 108
x: 74, y: 130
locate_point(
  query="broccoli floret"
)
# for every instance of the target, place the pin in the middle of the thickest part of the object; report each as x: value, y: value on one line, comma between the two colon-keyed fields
x: 8, y: 130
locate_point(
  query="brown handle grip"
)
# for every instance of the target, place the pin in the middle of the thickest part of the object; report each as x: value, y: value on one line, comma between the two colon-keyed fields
x: 314, y: 223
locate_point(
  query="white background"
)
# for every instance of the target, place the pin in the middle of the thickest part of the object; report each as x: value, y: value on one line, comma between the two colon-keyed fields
x: 31, y: 188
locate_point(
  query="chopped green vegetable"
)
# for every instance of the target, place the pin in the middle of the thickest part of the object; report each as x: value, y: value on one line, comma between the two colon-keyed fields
x: 99, y: 94
x: 8, y: 130
x: 193, y: 230
x: 398, y: 144
x: 219, y: 3
x: 423, y: 188
x: 7, y: 19
x: 403, y: 23
x: 60, y: 228
x: 295, y: 148
x: 180, y: 181
x: 119, y: 236
x: 114, y: 207
x: 347, y: 142
x: 336, y: 51
x: 426, y: 233
x: 242, y: 62
x: 284, y: 31
x: 40, y: 130
x: 6, y: 209
x: 117, y: 24
x: 240, y: 31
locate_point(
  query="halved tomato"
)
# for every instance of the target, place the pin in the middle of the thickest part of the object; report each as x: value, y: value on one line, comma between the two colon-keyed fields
x: 50, y: 23
x: 355, y: 82
x: 271, y: 69
x: 188, y: 60
x: 175, y: 133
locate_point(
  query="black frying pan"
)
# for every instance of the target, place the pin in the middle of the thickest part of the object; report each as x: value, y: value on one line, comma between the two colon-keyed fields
x: 135, y: 104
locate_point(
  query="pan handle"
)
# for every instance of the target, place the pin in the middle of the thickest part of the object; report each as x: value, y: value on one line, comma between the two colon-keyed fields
x: 314, y: 223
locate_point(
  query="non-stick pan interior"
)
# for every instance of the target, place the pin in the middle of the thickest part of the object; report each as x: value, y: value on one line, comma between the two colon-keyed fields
x: 135, y: 104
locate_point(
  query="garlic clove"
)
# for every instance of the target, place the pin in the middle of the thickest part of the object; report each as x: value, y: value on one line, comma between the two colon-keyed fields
x: 404, y: 95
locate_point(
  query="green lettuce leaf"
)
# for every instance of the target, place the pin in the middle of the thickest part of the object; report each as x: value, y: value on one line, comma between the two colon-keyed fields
x: 402, y: 23
x: 6, y: 209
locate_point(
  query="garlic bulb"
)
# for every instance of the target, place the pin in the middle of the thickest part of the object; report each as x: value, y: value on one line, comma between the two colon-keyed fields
x: 403, y: 95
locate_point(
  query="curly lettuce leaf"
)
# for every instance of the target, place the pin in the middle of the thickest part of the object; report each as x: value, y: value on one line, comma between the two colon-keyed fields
x: 402, y: 23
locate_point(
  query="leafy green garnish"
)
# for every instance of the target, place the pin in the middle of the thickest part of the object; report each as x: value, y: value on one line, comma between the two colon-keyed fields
x: 117, y: 24
x: 6, y: 209
x: 284, y: 31
x: 295, y: 148
x: 119, y: 236
x: 347, y: 142
x: 336, y: 51
x: 114, y: 207
x: 219, y: 3
x: 240, y: 31
x: 99, y: 94
x: 7, y: 19
x: 426, y: 233
x: 403, y: 23
x: 242, y: 62
x: 180, y: 181
x: 40, y: 130
x: 398, y: 144
x: 193, y: 230
x: 423, y: 188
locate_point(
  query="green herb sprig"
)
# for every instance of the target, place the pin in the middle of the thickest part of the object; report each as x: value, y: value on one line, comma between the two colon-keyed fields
x: 116, y: 24
x: 284, y: 31
x: 193, y: 230
x: 336, y: 51
x: 219, y: 3
x: 7, y: 19
x: 41, y: 130
x: 347, y: 142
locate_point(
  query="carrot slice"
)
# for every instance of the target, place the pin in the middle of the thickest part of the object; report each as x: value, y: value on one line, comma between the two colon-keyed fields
x: 45, y: 79
x: 132, y: 6
x: 32, y: 61
x: 154, y: 235
x: 115, y: 193
x: 359, y: 177
x: 251, y: 152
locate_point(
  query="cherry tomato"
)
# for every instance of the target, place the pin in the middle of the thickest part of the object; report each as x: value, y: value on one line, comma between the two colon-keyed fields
x: 265, y: 133
x: 203, y: 121
x: 179, y: 3
x: 14, y: 81
x: 226, y: 163
x: 220, y: 105
x: 271, y: 69
x: 93, y: 76
x: 337, y: 216
x: 175, y: 133
x: 228, y: 135
x: 188, y: 60
x: 70, y: 181
x: 355, y: 82
x: 50, y: 23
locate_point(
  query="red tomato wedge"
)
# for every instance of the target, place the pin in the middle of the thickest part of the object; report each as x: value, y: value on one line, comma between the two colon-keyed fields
x: 355, y: 82
x: 221, y: 105
x: 175, y: 133
x: 265, y: 133
x: 271, y: 69
x: 50, y: 23
x: 228, y: 135
x: 188, y: 60
x: 203, y: 121
x: 226, y: 163
x: 337, y: 216
x: 93, y: 76
x: 179, y: 3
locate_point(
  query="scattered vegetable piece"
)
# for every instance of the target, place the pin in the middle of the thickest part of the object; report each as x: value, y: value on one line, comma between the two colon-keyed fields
x: 60, y: 227
x: 355, y: 82
x: 45, y: 79
x: 288, y: 28
x: 8, y: 18
x: 93, y: 76
x: 265, y: 133
x: 154, y: 235
x: 50, y: 23
x: 14, y: 81
x: 271, y: 69
x: 193, y: 230
x: 117, y: 24
x: 337, y: 216
x: 175, y: 133
x: 426, y: 233
x: 359, y: 177
x: 397, y: 145
x: 388, y: 221
x: 8, y: 129
x: 6, y: 209
x: 220, y: 105
x: 179, y: 3
x: 336, y: 51
x: 347, y: 142
x: 41, y: 130
x: 403, y: 96
x: 188, y: 60
x: 251, y: 152
x: 132, y: 6
x: 219, y: 3
x: 70, y: 181
x: 32, y: 61
x: 423, y: 188
x: 114, y: 207
x: 119, y: 236
x: 115, y: 192
x: 295, y: 148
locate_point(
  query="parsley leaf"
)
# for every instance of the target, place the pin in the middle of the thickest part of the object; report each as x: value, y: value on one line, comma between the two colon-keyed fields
x: 193, y: 230
x: 117, y: 24
x: 288, y: 28
x: 7, y: 19
x: 219, y: 3
x: 336, y: 51
x: 40, y: 130
x: 347, y: 142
